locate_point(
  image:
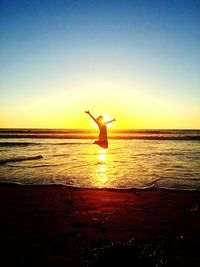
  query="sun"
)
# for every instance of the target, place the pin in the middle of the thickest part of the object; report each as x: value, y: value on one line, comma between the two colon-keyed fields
x: 107, y: 118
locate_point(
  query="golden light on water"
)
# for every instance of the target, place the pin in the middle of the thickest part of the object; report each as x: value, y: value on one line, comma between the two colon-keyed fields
x: 102, y: 157
x: 101, y: 176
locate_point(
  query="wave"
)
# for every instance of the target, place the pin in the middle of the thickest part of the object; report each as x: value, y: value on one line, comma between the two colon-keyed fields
x: 70, y: 143
x: 36, y: 166
x: 17, y: 159
x: 86, y: 131
x: 25, y: 144
x: 92, y: 136
x: 13, y: 144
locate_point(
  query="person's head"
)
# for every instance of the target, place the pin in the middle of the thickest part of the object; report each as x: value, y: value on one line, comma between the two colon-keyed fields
x: 100, y: 118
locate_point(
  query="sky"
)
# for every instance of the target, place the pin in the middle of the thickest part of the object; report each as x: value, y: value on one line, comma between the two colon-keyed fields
x: 137, y: 61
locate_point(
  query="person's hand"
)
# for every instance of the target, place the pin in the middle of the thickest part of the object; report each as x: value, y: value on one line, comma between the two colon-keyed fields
x: 87, y: 111
x: 114, y: 119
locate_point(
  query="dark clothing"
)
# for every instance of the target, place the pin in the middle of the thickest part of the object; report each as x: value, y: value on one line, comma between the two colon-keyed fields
x: 102, y: 132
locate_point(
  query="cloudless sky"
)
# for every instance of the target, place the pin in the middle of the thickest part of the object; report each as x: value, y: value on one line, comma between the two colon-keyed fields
x: 137, y: 61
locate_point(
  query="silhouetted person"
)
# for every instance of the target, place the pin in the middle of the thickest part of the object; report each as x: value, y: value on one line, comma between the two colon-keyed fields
x: 103, y: 140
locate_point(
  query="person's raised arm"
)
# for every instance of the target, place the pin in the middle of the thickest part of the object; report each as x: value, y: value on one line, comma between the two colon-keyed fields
x: 110, y: 121
x: 91, y: 116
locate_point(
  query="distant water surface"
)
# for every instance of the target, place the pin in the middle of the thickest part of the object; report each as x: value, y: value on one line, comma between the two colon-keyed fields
x: 135, y: 158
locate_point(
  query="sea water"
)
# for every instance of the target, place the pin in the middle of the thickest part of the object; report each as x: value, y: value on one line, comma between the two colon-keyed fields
x: 134, y: 159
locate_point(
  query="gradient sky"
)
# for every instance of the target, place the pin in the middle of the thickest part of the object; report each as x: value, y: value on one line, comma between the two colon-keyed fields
x: 138, y: 61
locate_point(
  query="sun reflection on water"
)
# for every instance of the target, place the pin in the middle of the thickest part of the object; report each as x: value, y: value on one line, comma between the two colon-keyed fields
x: 101, y: 174
x: 102, y: 155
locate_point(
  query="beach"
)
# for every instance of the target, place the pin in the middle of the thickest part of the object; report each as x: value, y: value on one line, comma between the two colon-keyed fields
x: 63, y: 226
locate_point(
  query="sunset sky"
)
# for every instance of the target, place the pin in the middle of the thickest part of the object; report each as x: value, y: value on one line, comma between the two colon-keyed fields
x: 137, y: 61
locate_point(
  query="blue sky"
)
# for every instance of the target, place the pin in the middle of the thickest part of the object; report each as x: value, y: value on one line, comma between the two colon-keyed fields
x: 61, y: 57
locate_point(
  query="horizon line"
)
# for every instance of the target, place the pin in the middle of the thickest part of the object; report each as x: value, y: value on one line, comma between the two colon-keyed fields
x: 136, y: 129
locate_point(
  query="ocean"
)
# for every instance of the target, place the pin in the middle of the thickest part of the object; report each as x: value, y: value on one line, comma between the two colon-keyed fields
x: 141, y: 159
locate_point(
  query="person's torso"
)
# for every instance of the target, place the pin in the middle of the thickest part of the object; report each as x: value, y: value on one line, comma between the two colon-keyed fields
x: 103, y: 132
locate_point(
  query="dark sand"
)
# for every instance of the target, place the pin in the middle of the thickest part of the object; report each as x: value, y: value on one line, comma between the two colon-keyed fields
x: 60, y: 226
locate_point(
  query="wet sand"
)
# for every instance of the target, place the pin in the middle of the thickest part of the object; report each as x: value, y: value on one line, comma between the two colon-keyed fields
x: 60, y: 226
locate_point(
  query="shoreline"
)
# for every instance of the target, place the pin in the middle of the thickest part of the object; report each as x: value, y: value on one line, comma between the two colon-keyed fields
x: 56, y: 224
x: 132, y: 189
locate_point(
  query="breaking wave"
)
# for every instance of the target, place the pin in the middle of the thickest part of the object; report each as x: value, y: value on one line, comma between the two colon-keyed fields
x: 17, y: 159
